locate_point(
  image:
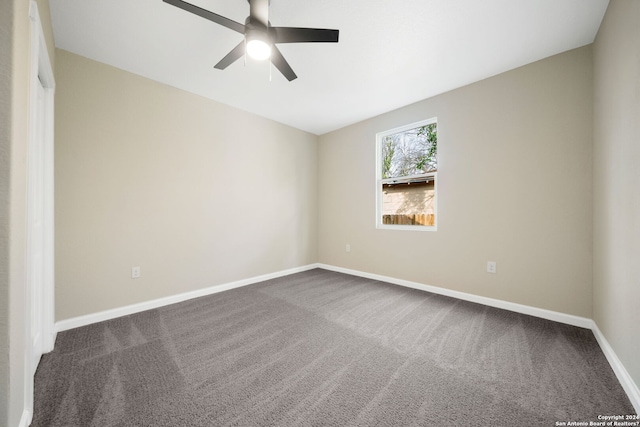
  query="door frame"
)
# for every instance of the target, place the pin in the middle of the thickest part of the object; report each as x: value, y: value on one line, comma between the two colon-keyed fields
x: 41, y: 72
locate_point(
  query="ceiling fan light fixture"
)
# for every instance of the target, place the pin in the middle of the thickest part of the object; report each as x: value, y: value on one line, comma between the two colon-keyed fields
x: 258, y: 49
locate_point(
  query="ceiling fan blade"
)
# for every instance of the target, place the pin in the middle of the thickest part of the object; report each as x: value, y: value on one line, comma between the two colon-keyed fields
x: 259, y: 12
x: 218, y: 19
x: 231, y: 57
x: 281, y: 64
x: 303, y: 35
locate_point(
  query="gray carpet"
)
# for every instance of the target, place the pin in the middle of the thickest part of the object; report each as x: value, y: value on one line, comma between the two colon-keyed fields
x: 321, y: 348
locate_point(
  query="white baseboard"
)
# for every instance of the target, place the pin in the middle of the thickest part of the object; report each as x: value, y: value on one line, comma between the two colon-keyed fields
x: 569, y: 319
x: 629, y: 386
x: 25, y: 419
x: 76, y: 322
x: 101, y: 316
x: 621, y: 373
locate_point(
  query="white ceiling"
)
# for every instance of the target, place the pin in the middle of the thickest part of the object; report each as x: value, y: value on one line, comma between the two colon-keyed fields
x: 390, y: 54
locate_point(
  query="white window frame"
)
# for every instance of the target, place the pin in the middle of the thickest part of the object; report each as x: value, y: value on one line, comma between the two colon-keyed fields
x: 379, y: 181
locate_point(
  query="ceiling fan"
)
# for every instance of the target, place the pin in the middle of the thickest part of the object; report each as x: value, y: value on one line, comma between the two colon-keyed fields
x: 260, y: 37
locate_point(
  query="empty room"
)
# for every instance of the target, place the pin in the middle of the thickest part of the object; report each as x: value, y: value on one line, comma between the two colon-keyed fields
x: 329, y: 213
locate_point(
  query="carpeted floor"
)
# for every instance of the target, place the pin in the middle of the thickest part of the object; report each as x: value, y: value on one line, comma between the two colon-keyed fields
x: 321, y: 348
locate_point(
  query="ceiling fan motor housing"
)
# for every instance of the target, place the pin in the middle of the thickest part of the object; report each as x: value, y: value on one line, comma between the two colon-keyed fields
x: 255, y: 29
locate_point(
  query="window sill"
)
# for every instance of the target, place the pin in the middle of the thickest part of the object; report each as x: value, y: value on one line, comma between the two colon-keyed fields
x: 407, y: 227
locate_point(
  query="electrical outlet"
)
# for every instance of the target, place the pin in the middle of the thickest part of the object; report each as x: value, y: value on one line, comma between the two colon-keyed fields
x: 491, y: 267
x: 135, y: 272
x: 347, y: 248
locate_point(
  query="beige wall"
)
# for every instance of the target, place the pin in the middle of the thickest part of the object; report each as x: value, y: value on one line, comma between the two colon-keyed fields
x: 514, y: 187
x: 18, y: 208
x: 6, y: 14
x: 617, y: 181
x: 194, y: 192
x: 14, y: 121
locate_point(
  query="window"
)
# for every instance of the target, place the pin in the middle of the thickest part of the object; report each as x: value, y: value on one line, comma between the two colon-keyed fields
x: 406, y: 169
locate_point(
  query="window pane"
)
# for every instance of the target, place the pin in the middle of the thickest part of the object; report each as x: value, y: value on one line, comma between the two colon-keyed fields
x: 409, y: 203
x: 411, y: 152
